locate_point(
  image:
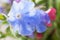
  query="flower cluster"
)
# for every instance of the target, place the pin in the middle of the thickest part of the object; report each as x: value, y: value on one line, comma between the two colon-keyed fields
x: 25, y: 19
x: 52, y: 15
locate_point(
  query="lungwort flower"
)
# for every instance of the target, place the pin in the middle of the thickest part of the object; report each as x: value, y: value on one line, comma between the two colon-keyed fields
x: 25, y: 19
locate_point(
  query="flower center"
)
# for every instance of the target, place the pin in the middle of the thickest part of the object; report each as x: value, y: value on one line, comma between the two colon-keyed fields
x: 18, y: 16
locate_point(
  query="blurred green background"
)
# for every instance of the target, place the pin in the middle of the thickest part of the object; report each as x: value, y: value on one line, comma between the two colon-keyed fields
x: 53, y: 33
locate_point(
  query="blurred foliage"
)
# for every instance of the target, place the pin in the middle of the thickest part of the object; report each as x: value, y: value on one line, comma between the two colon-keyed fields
x: 2, y: 35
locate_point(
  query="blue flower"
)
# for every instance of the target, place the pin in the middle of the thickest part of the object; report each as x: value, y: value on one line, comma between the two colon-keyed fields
x: 1, y: 10
x: 26, y: 20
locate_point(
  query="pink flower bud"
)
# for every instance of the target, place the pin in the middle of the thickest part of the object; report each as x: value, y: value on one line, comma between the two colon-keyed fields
x: 52, y: 14
x: 39, y: 35
x: 49, y: 25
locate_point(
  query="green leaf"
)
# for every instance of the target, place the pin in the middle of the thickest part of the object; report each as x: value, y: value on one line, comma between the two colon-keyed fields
x: 2, y: 35
x: 8, y: 32
x: 2, y: 17
x: 4, y: 22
